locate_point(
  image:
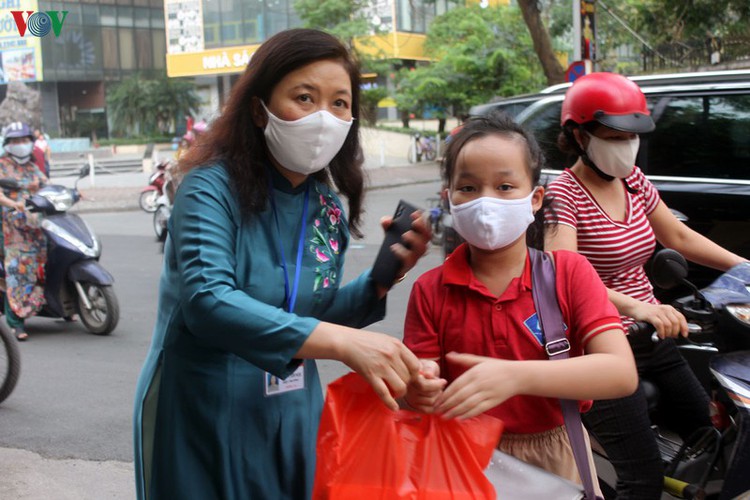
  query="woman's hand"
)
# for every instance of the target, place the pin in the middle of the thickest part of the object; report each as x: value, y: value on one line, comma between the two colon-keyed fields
x: 423, y: 391
x: 668, y: 321
x: 487, y: 383
x: 385, y: 362
x: 19, y: 205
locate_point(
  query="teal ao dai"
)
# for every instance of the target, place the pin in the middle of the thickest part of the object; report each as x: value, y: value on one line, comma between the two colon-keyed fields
x: 211, y: 421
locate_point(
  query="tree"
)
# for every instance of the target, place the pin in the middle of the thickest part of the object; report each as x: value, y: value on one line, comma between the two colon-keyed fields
x: 170, y: 98
x: 144, y: 106
x: 479, y: 54
x: 128, y: 106
x: 553, y: 70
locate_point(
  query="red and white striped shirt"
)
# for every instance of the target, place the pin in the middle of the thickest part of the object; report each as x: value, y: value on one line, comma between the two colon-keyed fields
x: 618, y: 250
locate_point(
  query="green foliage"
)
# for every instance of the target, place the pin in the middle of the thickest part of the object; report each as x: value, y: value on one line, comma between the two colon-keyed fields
x: 479, y: 53
x: 147, y: 106
x: 370, y: 99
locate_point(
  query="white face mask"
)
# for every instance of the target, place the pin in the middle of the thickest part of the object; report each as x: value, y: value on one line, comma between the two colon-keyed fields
x: 306, y: 145
x: 492, y: 223
x: 615, y: 158
x: 20, y: 152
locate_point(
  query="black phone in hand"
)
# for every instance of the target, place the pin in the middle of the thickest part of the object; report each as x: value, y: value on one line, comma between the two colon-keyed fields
x: 387, y: 265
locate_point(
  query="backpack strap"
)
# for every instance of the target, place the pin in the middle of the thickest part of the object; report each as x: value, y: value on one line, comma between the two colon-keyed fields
x: 557, y: 346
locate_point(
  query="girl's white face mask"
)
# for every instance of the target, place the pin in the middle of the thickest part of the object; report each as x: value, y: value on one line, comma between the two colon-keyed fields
x: 306, y: 145
x: 492, y: 223
x: 615, y: 158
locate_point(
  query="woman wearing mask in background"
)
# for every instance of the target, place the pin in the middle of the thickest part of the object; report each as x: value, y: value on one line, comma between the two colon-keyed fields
x: 608, y: 211
x: 229, y: 399
x: 24, y: 244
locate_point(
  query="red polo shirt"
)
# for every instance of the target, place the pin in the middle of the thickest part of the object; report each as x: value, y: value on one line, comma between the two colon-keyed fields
x: 450, y: 310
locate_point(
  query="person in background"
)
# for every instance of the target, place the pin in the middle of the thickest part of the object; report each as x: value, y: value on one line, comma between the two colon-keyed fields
x: 473, y: 320
x: 252, y: 285
x: 606, y: 209
x: 24, y: 244
x: 41, y: 144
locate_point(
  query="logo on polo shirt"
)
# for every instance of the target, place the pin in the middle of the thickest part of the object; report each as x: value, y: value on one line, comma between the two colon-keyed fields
x: 533, y: 326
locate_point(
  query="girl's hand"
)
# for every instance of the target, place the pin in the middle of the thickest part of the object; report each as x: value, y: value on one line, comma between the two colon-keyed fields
x: 487, y: 383
x: 385, y: 362
x: 418, y: 239
x: 422, y: 392
x: 668, y: 321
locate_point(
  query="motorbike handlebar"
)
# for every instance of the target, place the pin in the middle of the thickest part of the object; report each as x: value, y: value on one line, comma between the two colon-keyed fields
x: 643, y: 328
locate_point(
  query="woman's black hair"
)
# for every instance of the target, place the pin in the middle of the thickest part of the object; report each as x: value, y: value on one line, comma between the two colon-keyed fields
x: 235, y: 139
x: 499, y: 123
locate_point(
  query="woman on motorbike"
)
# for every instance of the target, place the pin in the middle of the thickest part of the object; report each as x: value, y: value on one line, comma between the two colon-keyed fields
x: 24, y: 243
x: 610, y: 212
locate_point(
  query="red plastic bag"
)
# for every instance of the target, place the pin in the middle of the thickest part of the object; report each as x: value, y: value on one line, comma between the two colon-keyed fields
x: 365, y: 451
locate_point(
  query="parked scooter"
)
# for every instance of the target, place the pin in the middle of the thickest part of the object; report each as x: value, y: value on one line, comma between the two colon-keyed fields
x: 715, y: 461
x: 75, y: 281
x: 150, y: 194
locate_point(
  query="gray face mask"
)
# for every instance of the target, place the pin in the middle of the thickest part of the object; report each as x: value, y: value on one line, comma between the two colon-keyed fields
x: 20, y: 152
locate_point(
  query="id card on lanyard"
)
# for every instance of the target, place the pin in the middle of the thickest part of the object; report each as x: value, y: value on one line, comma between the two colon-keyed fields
x: 273, y: 385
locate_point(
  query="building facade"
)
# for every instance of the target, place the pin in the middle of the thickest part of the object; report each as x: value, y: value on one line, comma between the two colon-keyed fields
x: 213, y: 40
x: 99, y: 42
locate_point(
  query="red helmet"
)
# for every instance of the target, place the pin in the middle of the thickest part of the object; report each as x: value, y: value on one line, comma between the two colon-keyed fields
x: 609, y: 99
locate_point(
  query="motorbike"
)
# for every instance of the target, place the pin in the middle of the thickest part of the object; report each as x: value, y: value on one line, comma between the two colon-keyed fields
x: 148, y: 199
x: 164, y: 206
x: 10, y: 362
x: 714, y: 462
x: 74, y: 280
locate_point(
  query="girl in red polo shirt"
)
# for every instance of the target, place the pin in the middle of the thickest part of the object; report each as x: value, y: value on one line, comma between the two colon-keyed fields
x: 473, y: 322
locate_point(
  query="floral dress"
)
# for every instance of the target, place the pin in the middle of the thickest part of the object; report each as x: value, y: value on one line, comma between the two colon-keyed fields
x: 25, y: 246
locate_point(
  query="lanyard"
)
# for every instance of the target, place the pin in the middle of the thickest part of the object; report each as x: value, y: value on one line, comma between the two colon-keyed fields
x: 291, y: 298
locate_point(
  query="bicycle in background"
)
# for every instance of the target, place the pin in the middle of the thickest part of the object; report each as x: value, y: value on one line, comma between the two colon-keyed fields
x: 422, y: 146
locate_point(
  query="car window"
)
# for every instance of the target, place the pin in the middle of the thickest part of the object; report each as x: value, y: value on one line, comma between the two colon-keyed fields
x: 700, y: 136
x: 544, y: 122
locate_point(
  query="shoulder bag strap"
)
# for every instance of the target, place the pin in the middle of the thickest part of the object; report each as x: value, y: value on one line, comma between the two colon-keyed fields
x: 544, y: 293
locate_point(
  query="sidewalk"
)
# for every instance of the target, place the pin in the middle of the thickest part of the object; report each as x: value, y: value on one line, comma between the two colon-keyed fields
x: 120, y: 191
x: 29, y: 476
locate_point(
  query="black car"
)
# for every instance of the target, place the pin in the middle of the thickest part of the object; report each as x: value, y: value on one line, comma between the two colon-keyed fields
x: 698, y: 156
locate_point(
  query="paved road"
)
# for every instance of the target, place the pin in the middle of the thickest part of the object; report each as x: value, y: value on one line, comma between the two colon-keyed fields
x: 65, y: 431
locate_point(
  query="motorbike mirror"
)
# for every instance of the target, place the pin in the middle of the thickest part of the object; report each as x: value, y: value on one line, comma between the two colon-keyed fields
x: 669, y: 269
x: 10, y: 184
x: 85, y: 170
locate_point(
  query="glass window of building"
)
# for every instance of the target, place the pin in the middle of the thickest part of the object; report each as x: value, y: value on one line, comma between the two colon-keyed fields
x: 108, y: 16
x: 143, y: 51
x: 142, y: 17
x: 125, y: 16
x: 90, y: 15
x: 157, y: 18
x: 159, y: 44
x: 127, y: 57
x: 211, y: 24
x: 110, y: 52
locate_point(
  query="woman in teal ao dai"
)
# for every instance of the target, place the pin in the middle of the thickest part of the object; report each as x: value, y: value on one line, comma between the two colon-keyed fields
x: 228, y: 401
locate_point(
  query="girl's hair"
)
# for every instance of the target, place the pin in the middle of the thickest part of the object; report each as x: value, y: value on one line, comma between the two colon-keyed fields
x: 234, y: 139
x: 499, y: 123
